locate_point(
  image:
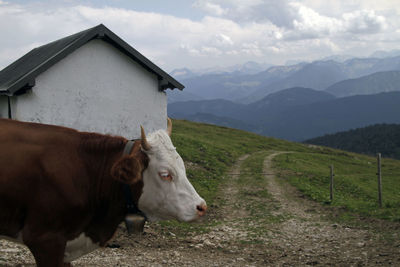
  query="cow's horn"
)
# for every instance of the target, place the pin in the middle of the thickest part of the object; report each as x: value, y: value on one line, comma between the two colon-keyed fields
x: 145, y: 144
x: 169, y: 127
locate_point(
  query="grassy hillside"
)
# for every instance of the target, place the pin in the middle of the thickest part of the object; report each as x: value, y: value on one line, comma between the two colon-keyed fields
x: 209, y: 151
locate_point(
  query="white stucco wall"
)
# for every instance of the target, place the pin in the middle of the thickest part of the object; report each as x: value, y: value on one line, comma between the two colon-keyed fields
x: 96, y: 88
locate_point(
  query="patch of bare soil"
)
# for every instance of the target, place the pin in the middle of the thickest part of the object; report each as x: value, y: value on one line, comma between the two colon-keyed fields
x: 246, y: 227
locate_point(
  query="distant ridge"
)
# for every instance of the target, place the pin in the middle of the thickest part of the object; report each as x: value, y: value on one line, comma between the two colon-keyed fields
x: 248, y: 114
x: 308, y: 121
x: 291, y: 97
x: 378, y: 138
x: 375, y: 83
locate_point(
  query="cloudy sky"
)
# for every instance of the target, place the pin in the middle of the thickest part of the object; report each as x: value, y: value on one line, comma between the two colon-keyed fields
x: 209, y: 33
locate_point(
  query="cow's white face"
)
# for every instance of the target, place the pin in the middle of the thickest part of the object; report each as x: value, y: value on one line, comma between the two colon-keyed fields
x: 167, y: 193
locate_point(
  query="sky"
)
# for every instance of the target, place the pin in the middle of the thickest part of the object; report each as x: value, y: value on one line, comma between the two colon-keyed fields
x: 200, y: 34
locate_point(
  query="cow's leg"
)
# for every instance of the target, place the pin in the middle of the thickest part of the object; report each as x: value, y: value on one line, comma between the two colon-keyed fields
x: 47, y: 249
x: 48, y: 254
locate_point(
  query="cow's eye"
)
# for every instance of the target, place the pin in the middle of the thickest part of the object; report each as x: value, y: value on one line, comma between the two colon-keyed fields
x: 165, y: 176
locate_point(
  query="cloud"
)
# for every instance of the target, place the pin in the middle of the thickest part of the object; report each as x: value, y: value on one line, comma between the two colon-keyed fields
x: 153, y: 34
x: 298, y: 19
x: 231, y: 31
x: 210, y: 8
x: 162, y: 38
x: 277, y: 12
x: 310, y: 24
x: 364, y: 21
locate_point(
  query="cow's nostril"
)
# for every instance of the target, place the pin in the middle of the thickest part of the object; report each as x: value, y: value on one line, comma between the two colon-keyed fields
x: 201, y: 209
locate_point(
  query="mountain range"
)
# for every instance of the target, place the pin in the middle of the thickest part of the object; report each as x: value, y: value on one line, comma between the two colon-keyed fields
x: 294, y: 114
x: 245, y: 88
x: 295, y: 102
x: 249, y: 67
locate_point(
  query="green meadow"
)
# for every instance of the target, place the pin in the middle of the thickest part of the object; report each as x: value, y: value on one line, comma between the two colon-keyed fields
x: 209, y: 151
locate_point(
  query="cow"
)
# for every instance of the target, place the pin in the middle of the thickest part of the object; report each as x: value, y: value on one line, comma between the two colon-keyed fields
x: 63, y: 192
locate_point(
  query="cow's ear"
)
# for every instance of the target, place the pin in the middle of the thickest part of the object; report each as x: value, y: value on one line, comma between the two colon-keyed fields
x: 127, y: 170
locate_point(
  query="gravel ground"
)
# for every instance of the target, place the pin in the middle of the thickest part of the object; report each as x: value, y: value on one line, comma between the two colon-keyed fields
x: 297, y: 233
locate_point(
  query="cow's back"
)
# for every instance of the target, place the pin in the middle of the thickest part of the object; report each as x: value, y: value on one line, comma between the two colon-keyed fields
x: 35, y: 133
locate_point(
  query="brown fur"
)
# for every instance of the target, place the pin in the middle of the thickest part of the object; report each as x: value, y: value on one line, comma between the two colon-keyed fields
x: 127, y: 170
x: 56, y: 183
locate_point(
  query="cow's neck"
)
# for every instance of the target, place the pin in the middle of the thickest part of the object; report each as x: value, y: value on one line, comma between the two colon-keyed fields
x: 108, y: 199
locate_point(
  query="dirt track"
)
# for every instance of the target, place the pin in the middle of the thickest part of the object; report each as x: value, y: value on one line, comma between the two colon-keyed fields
x: 292, y: 231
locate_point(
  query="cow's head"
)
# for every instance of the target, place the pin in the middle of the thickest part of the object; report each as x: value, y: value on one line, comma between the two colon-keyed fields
x: 167, y: 192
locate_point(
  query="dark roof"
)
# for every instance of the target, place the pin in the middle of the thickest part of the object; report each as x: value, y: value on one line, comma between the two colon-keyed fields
x: 20, y: 75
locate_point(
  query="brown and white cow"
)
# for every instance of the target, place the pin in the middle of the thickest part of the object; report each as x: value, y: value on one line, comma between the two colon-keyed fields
x: 61, y: 190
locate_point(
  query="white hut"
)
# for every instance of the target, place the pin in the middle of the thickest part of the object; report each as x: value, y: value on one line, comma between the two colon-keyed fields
x: 90, y: 81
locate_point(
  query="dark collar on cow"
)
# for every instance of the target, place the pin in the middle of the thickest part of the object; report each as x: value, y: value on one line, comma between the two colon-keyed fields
x: 134, y: 216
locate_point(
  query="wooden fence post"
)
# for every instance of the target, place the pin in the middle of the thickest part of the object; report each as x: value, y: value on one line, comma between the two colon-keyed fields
x: 331, y: 185
x: 379, y: 180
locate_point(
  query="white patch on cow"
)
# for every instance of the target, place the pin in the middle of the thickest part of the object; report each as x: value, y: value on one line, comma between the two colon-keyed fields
x: 78, y: 247
x: 18, y: 239
x: 162, y: 199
